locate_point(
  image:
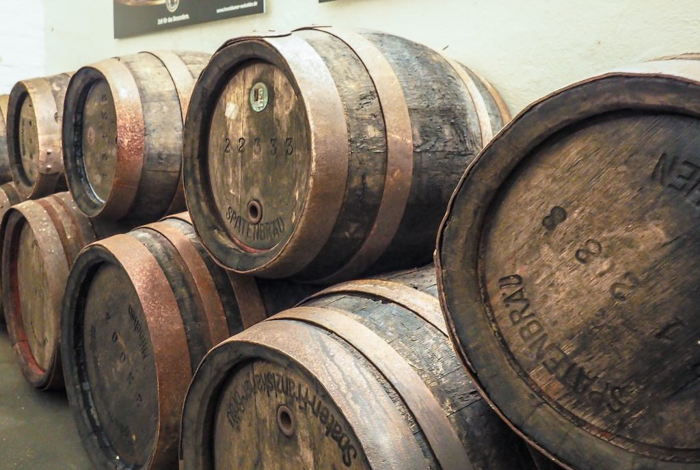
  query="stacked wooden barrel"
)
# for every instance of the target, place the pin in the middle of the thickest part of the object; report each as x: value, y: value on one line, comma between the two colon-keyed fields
x: 362, y: 375
x: 5, y: 174
x: 327, y: 153
x: 123, y: 134
x: 8, y: 198
x: 140, y: 312
x: 34, y: 116
x: 41, y: 240
x: 568, y: 268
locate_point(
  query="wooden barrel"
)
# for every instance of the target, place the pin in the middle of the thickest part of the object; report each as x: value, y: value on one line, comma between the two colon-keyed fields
x: 40, y: 241
x: 140, y: 311
x: 123, y: 134
x: 5, y: 174
x: 8, y: 198
x: 361, y: 376
x: 327, y: 153
x: 4, y: 102
x: 569, y: 275
x: 34, y: 116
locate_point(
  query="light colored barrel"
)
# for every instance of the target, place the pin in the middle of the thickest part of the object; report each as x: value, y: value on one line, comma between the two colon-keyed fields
x: 40, y: 241
x: 34, y: 119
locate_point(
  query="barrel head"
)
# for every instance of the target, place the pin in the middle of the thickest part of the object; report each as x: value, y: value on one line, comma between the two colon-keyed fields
x: 582, y: 263
x: 28, y: 139
x: 34, y: 301
x: 270, y: 412
x: 259, y: 157
x: 99, y: 149
x: 118, y: 365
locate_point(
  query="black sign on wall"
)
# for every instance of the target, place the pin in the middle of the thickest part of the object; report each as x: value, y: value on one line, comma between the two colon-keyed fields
x: 134, y: 17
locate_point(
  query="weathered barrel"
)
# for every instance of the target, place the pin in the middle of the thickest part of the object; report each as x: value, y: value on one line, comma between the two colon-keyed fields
x: 569, y: 274
x: 5, y: 174
x: 140, y: 311
x: 327, y: 153
x: 4, y: 102
x: 123, y: 134
x: 40, y: 241
x: 362, y: 375
x: 8, y: 198
x: 34, y: 116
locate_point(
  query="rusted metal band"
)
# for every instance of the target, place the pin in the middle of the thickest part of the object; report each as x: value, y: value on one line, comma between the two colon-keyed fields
x: 57, y: 224
x: 424, y: 305
x: 184, y: 216
x: 211, y: 302
x: 482, y: 110
x: 8, y: 198
x: 399, y: 156
x: 167, y: 334
x: 502, y: 106
x: 423, y: 405
x: 48, y: 129
x: 131, y: 137
x: 330, y: 151
x: 82, y: 224
x: 249, y: 299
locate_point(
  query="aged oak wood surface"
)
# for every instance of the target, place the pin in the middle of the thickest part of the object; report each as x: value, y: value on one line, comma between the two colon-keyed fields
x: 41, y: 240
x: 34, y: 119
x: 8, y: 198
x: 141, y: 311
x: 5, y: 174
x: 568, y: 265
x: 327, y: 153
x: 123, y: 134
x: 361, y: 375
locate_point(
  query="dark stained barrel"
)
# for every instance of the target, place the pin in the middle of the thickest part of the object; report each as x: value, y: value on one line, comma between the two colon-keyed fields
x: 362, y: 375
x: 8, y: 198
x: 5, y: 174
x: 34, y: 117
x: 327, y: 153
x: 569, y: 274
x: 140, y: 311
x: 123, y: 134
x: 40, y: 241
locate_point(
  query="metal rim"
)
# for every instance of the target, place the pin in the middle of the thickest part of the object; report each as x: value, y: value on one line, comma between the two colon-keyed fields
x: 130, y: 139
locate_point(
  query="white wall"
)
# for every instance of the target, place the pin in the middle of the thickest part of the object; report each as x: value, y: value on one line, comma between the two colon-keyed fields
x: 21, y: 41
x: 525, y: 48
